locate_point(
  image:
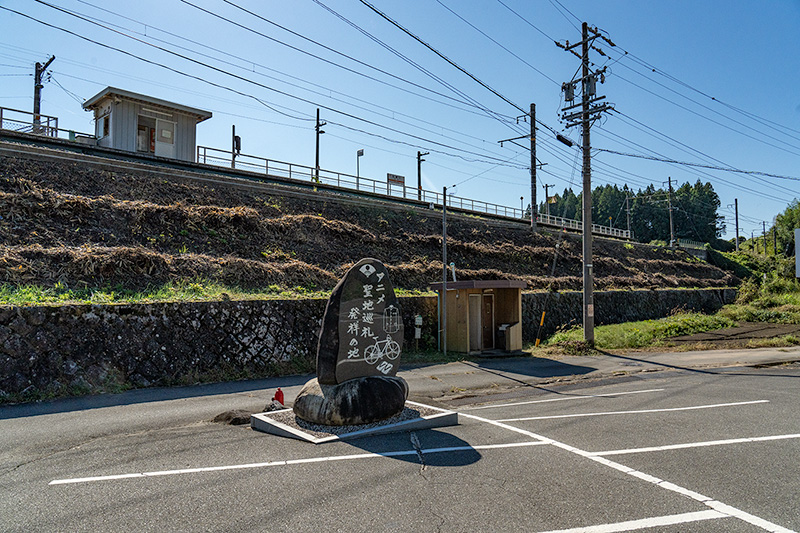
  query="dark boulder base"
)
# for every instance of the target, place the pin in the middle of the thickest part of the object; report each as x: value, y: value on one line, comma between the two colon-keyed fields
x: 356, y: 401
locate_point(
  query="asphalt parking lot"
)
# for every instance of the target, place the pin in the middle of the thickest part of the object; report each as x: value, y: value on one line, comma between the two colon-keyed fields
x: 682, y: 450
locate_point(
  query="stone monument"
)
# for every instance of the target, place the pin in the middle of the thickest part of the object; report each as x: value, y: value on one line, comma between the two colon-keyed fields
x: 358, y: 353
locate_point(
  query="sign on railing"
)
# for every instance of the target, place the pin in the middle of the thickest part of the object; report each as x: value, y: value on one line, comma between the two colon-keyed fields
x: 393, y: 187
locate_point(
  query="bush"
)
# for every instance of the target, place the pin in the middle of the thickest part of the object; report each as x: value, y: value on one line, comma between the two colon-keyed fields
x: 733, y: 261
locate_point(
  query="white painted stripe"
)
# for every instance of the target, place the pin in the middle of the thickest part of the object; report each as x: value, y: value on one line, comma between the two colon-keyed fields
x: 710, y: 502
x: 400, y: 453
x: 633, y: 525
x: 579, y: 415
x: 609, y: 395
x: 697, y: 444
x: 747, y: 517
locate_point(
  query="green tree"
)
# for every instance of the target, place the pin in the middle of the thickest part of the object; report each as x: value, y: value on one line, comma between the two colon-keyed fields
x: 785, y: 224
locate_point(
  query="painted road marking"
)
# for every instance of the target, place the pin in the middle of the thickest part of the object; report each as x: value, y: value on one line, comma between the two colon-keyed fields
x: 609, y: 395
x: 633, y: 525
x: 578, y: 415
x: 697, y: 444
x: 452, y: 449
x: 705, y: 500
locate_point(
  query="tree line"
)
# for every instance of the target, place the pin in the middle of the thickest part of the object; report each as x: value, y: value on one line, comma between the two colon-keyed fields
x: 694, y: 211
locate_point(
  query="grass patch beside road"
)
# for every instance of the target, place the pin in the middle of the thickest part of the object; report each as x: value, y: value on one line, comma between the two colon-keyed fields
x: 643, y: 333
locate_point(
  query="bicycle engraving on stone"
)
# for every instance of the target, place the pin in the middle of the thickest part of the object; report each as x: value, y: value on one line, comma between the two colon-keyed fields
x: 388, y: 348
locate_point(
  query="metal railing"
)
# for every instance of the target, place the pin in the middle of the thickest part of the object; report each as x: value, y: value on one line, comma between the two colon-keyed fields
x: 25, y: 122
x: 282, y: 169
x: 577, y: 225
x: 224, y: 158
x: 687, y: 243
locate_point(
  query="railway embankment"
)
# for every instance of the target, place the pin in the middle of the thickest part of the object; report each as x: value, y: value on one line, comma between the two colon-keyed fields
x: 89, y: 223
x: 84, y: 224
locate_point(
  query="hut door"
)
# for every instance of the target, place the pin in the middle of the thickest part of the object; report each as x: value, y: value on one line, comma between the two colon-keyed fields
x: 475, y: 331
x: 165, y: 138
x: 487, y: 321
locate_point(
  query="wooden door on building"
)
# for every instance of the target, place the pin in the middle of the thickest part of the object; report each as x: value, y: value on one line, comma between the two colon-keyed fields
x: 475, y: 330
x: 487, y: 321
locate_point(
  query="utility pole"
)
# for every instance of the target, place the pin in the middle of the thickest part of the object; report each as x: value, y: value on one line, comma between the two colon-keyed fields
x: 318, y: 128
x: 37, y: 92
x: 628, y: 212
x: 590, y: 110
x: 444, y: 271
x: 669, y: 202
x: 775, y: 239
x: 764, y: 234
x: 419, y: 172
x: 736, y: 207
x: 534, y: 207
x: 547, y: 197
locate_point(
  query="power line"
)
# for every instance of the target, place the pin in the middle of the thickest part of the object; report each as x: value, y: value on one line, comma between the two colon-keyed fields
x: 643, y: 127
x: 413, y: 63
x: 699, y: 165
x: 247, y: 28
x: 441, y: 55
x: 454, y: 64
x: 496, y: 42
x: 330, y: 91
x: 718, y: 123
x: 217, y: 69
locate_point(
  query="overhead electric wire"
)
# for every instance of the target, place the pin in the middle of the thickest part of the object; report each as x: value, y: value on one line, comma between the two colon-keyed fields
x: 699, y: 165
x: 250, y: 62
x: 413, y: 63
x: 647, y: 129
x: 453, y: 63
x: 676, y: 80
x: 718, y: 123
x: 556, y: 4
x: 703, y: 172
x: 261, y: 34
x: 471, y: 25
x: 172, y: 69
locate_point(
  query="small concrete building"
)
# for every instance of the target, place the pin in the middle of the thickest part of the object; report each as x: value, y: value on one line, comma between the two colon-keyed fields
x: 138, y: 123
x: 483, y: 315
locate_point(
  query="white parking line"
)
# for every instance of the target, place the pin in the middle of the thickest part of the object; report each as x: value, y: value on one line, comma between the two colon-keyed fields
x: 633, y: 525
x: 697, y: 444
x: 609, y: 395
x: 400, y: 453
x: 578, y: 415
x: 705, y: 500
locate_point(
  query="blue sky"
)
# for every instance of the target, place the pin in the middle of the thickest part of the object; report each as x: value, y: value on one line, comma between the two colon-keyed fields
x: 740, y: 53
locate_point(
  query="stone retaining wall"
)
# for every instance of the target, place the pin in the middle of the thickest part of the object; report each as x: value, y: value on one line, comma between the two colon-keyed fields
x: 565, y: 309
x: 81, y: 348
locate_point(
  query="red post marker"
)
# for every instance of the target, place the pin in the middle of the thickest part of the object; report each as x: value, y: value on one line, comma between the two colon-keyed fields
x: 278, y: 396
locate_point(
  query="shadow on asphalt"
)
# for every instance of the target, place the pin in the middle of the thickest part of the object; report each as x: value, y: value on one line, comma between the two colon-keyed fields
x: 723, y: 371
x: 453, y: 451
x: 138, y: 396
x: 538, y: 367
